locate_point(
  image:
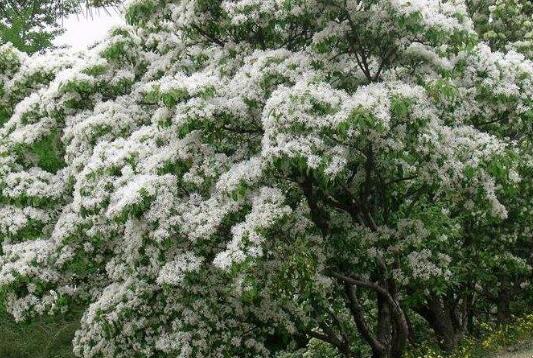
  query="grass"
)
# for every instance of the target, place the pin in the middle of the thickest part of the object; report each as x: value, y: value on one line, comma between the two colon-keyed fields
x: 511, y: 340
x: 521, y: 350
x: 42, y: 338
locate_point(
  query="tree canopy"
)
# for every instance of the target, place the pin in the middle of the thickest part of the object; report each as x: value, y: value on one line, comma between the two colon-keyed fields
x: 244, y: 178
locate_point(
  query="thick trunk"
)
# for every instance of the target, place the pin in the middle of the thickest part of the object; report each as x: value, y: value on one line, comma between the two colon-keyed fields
x: 504, y: 300
x: 392, y: 328
x: 440, y: 317
x: 384, y: 328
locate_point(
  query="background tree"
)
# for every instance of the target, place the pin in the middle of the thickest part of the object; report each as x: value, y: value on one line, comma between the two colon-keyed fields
x: 31, y: 25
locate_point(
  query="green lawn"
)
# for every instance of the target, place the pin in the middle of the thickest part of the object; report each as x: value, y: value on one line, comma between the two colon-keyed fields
x: 43, y: 338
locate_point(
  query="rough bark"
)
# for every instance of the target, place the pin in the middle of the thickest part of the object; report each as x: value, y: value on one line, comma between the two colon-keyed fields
x: 439, y: 316
x: 392, y: 328
x: 503, y: 304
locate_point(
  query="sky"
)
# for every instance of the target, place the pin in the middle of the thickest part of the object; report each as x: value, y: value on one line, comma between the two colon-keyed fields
x: 82, y: 31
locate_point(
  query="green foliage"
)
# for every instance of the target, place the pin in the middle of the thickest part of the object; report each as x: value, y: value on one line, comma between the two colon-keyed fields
x: 18, y: 31
x: 140, y: 12
x: 49, y: 156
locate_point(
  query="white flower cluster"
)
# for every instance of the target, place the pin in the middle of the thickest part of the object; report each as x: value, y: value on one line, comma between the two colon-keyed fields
x: 173, y: 272
x: 420, y: 262
x: 448, y: 16
x: 267, y: 210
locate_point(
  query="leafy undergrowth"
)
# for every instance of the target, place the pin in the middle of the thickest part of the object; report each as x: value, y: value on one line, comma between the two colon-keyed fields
x: 41, y: 338
x: 514, y: 340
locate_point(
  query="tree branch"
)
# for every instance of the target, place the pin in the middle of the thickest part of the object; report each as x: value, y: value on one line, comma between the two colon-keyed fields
x: 357, y: 313
x: 397, y: 311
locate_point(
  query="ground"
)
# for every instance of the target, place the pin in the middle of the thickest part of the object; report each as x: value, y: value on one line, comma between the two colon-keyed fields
x: 524, y: 350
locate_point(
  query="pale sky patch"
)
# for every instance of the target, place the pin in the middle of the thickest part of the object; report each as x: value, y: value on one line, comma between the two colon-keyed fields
x: 83, y: 30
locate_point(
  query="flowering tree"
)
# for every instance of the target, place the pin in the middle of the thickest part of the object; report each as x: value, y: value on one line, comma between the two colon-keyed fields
x: 235, y: 178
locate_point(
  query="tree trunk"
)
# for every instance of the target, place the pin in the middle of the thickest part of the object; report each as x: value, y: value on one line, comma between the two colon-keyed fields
x: 392, y: 328
x: 440, y: 317
x: 384, y: 328
x: 504, y: 310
